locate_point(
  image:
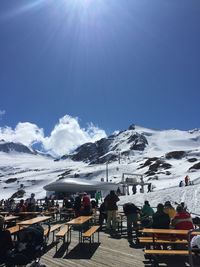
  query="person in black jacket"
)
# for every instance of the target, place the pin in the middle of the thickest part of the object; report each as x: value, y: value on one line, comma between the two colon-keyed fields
x: 131, y: 211
x: 161, y: 220
x: 111, y: 208
x: 102, y: 214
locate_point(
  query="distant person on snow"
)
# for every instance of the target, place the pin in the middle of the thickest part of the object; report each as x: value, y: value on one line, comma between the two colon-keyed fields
x: 134, y: 189
x: 187, y: 180
x: 149, y: 188
x: 181, y: 184
x: 118, y: 191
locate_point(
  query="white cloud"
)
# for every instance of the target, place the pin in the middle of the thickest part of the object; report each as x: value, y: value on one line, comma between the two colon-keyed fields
x: 66, y: 135
x: 25, y: 133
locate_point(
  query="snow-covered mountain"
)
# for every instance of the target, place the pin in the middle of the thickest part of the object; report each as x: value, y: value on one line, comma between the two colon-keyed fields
x: 163, y: 157
x: 17, y: 147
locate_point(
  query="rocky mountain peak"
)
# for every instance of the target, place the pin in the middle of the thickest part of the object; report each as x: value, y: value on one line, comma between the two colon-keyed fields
x: 108, y: 148
x: 14, y: 147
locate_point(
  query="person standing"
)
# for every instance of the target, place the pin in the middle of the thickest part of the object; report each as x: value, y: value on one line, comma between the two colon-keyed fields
x: 102, y: 214
x: 149, y: 188
x: 131, y: 211
x: 181, y: 183
x: 98, y: 197
x: 111, y: 208
x: 134, y: 189
x: 186, y: 180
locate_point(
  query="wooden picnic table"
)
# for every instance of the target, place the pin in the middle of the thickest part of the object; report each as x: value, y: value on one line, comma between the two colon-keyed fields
x: 68, y: 213
x: 36, y: 220
x: 28, y: 213
x: 4, y: 213
x: 10, y: 218
x: 164, y: 231
x: 79, y: 221
x: 172, y: 233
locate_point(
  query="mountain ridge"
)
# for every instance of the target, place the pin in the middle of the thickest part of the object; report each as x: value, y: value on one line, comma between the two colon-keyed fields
x: 164, y: 157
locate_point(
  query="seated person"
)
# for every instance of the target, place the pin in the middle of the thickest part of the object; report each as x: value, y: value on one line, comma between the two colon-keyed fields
x: 169, y: 209
x: 77, y: 205
x: 182, y: 219
x: 5, y: 241
x: 146, y: 214
x: 94, y: 204
x: 21, y: 207
x: 161, y: 220
x: 67, y: 203
x: 86, y: 205
x: 31, y: 203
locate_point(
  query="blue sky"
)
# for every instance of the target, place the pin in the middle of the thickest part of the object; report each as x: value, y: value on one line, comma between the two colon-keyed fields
x: 109, y: 62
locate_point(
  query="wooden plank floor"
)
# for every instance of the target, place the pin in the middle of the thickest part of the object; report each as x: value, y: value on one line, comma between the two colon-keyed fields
x: 110, y: 252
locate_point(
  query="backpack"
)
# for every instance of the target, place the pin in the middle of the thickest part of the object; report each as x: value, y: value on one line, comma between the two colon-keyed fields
x: 196, y: 220
x: 30, y: 239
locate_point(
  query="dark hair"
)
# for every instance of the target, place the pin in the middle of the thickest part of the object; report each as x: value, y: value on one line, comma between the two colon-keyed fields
x: 146, y: 202
x: 179, y: 208
x: 112, y: 192
x: 160, y: 207
x: 168, y: 204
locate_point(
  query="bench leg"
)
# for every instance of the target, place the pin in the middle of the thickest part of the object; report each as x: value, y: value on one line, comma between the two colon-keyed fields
x: 56, y: 244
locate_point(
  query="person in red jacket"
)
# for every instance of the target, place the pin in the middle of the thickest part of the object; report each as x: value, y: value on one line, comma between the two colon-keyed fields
x: 186, y: 180
x: 182, y: 220
x: 86, y: 205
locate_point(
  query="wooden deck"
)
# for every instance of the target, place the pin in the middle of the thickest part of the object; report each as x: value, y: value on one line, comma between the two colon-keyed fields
x: 111, y: 252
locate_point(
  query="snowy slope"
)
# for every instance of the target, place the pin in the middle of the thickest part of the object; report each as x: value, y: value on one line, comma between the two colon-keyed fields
x: 35, y: 171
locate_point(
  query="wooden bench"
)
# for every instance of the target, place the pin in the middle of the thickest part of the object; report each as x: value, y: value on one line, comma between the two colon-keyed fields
x: 149, y: 239
x: 89, y: 234
x: 13, y: 230
x: 52, y: 229
x: 166, y: 252
x: 66, y: 229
